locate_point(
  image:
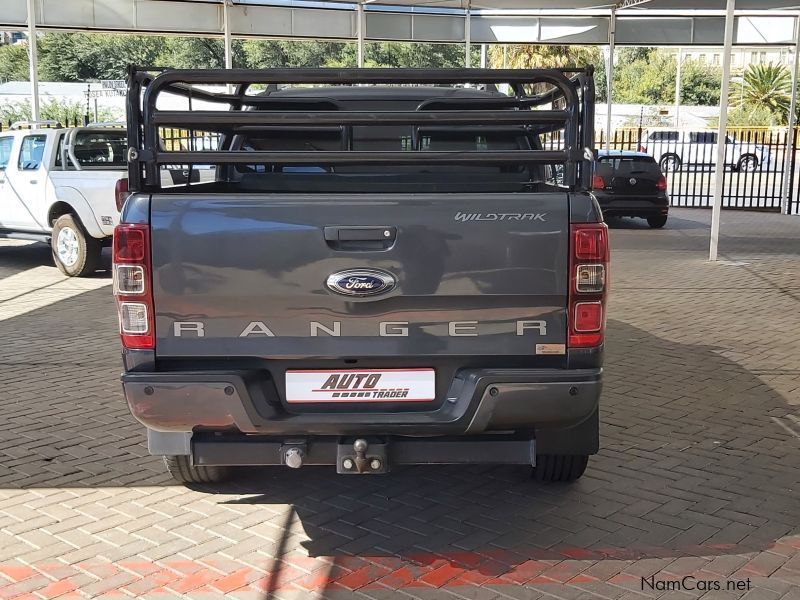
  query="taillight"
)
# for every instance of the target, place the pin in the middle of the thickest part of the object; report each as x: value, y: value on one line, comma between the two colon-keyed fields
x: 598, y: 183
x: 662, y: 183
x: 589, y: 257
x: 642, y: 148
x: 132, y: 285
x: 121, y: 192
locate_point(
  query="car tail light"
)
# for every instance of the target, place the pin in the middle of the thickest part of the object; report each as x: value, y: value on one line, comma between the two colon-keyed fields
x: 121, y: 192
x: 598, y: 183
x: 132, y: 285
x: 642, y: 148
x: 589, y: 258
x: 662, y: 183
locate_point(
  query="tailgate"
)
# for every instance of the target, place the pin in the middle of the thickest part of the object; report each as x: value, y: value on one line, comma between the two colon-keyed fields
x: 406, y: 275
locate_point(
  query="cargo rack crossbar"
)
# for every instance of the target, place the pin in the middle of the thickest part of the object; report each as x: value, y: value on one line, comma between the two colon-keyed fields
x: 248, y: 113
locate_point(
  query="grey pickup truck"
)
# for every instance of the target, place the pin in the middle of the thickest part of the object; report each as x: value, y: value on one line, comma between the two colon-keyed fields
x: 387, y: 267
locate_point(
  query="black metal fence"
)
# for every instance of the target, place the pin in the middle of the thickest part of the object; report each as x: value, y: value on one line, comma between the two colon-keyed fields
x: 754, y: 177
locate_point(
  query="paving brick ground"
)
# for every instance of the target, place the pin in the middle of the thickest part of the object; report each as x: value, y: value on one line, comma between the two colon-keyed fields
x: 699, y: 475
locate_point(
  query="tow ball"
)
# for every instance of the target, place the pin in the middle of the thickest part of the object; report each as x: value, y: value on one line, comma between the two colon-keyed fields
x: 361, y: 458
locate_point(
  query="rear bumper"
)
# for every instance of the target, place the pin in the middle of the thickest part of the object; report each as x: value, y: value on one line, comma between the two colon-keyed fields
x: 634, y: 207
x: 478, y: 401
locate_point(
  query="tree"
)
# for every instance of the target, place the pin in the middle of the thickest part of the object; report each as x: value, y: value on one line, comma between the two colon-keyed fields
x: 84, y: 57
x: 14, y: 62
x: 700, y: 84
x: 765, y: 88
x: 272, y: 54
x: 535, y: 56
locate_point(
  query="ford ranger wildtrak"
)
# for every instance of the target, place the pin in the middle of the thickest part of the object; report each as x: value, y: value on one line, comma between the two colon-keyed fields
x: 385, y: 270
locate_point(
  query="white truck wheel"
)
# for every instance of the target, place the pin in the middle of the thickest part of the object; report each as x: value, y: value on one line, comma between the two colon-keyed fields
x: 75, y: 253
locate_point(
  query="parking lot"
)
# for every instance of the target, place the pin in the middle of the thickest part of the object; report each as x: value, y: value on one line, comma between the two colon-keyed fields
x: 699, y: 472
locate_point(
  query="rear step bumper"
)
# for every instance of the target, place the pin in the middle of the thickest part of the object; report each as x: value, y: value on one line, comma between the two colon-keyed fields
x: 379, y: 455
x: 478, y: 401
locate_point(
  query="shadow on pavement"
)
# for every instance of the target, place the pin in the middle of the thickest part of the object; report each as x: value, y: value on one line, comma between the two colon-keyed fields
x: 692, y: 464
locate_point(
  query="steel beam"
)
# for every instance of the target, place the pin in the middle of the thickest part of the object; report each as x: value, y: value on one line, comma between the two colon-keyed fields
x: 33, y: 60
x: 790, y: 147
x: 719, y: 171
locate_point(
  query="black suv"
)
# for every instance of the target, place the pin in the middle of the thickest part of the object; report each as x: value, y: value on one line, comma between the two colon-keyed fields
x: 630, y: 184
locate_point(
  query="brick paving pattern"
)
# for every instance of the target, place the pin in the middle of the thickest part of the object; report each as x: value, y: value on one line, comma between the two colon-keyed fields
x: 699, y: 474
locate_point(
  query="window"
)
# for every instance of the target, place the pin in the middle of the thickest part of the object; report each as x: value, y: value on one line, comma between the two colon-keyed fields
x: 703, y: 137
x: 627, y: 164
x: 96, y: 149
x: 5, y: 151
x: 31, y: 152
x: 665, y: 136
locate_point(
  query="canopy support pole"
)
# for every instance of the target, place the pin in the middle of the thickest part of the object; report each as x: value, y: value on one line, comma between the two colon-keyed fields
x: 678, y: 82
x: 790, y: 148
x: 360, y: 33
x: 719, y: 171
x: 226, y: 24
x: 33, y: 60
x: 612, y: 35
x: 468, y: 38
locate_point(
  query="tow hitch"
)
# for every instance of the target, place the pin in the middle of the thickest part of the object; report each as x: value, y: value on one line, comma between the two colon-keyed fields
x: 362, y: 458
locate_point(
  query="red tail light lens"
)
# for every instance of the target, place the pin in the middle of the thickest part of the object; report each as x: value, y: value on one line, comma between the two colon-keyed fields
x: 589, y: 257
x: 598, y: 183
x: 121, y: 192
x: 590, y: 243
x: 132, y: 285
x: 662, y: 184
x: 642, y: 148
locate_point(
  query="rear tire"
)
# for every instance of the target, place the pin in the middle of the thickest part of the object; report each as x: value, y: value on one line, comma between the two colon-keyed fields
x: 183, y: 471
x: 657, y: 222
x: 75, y: 252
x: 670, y: 163
x: 563, y: 468
x: 748, y: 164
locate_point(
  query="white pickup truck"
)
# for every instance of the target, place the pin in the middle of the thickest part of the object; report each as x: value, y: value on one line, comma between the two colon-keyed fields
x: 61, y: 186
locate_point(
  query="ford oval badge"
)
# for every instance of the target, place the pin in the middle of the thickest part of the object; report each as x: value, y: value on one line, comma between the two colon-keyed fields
x: 360, y: 282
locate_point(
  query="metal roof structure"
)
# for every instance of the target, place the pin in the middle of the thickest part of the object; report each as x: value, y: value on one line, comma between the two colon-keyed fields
x: 639, y: 22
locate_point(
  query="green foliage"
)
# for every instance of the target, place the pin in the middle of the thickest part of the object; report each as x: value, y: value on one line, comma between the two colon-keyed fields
x: 700, y: 84
x: 765, y: 89
x: 84, y: 57
x: 642, y: 75
x: 14, y: 62
x: 532, y: 56
x: 51, y: 109
x: 750, y: 117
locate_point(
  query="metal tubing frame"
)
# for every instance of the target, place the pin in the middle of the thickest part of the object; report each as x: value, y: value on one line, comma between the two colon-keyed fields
x: 574, y: 85
x: 719, y: 171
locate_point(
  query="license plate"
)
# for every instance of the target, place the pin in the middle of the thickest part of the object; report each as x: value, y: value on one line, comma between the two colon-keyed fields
x: 362, y: 385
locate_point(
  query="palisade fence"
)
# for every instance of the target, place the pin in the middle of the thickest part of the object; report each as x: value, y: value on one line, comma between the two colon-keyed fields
x: 753, y: 178
x: 755, y: 165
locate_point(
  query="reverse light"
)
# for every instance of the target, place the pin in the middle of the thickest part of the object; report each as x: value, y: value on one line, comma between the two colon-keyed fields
x: 132, y: 285
x: 589, y: 257
x: 133, y: 318
x: 590, y: 278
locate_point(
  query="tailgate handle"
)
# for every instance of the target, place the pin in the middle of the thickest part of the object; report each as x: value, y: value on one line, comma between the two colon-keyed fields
x: 358, y: 237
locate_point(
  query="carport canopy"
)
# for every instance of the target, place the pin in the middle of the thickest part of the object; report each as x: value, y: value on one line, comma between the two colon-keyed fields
x: 681, y: 23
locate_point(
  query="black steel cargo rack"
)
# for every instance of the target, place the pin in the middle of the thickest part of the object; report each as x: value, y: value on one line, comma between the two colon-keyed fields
x: 571, y: 89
